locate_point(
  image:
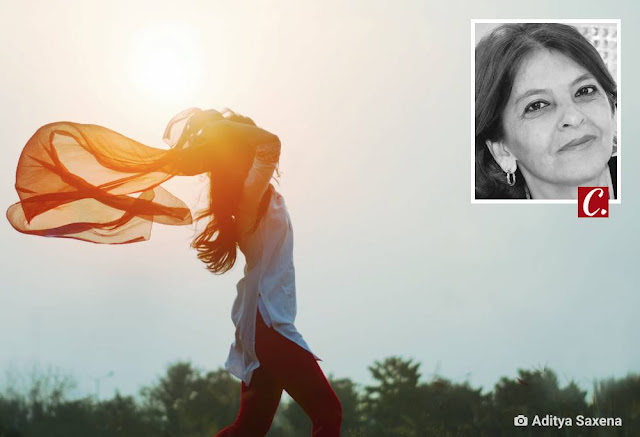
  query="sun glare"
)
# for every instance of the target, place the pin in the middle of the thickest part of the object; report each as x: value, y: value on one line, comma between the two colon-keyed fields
x: 166, y: 61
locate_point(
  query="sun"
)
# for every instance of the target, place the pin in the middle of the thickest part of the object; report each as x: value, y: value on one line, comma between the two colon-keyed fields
x: 166, y: 61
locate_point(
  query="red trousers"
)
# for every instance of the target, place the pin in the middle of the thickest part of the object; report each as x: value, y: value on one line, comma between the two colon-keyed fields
x: 284, y: 365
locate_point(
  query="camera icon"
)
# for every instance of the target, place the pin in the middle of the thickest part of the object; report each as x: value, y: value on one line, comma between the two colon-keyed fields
x: 520, y: 420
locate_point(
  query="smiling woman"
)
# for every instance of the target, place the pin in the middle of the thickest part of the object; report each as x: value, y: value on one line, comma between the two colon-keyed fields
x: 545, y: 114
x: 166, y: 61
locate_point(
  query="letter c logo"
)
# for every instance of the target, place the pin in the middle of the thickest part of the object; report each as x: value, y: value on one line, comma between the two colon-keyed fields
x: 587, y: 200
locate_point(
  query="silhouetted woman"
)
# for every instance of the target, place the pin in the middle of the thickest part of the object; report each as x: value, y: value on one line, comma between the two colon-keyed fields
x: 90, y: 183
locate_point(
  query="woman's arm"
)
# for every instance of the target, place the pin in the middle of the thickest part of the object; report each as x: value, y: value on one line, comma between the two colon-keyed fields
x: 221, y: 143
x: 257, y: 181
x: 227, y: 136
x: 230, y: 138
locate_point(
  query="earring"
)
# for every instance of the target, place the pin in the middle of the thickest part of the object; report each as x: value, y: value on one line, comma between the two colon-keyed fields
x: 511, y: 178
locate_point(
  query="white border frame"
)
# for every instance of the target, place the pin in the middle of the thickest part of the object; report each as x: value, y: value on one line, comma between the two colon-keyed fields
x: 618, y: 24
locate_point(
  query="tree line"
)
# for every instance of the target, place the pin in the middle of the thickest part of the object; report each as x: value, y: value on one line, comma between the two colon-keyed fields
x: 189, y: 402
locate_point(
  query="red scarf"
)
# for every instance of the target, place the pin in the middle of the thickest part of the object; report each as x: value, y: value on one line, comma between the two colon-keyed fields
x: 90, y: 183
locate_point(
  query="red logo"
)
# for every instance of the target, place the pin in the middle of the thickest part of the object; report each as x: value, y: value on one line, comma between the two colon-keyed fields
x: 593, y: 201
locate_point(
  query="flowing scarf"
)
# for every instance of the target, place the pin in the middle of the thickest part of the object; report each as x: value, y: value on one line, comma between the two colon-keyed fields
x: 87, y: 182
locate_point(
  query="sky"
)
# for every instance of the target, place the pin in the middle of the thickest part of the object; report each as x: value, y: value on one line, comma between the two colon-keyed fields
x: 371, y: 100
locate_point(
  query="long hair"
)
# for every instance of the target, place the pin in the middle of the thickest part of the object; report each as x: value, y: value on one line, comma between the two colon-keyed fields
x: 217, y: 244
x: 498, y: 58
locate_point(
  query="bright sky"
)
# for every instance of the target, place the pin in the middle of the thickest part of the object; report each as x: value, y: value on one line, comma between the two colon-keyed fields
x: 371, y: 102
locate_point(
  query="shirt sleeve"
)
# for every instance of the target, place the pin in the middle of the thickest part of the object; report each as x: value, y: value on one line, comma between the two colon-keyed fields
x: 257, y: 181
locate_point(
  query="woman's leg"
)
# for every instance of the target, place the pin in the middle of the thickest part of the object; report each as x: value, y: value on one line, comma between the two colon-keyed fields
x: 297, y: 371
x: 258, y: 404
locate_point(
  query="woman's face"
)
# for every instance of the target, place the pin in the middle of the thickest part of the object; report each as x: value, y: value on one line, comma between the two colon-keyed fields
x: 557, y: 122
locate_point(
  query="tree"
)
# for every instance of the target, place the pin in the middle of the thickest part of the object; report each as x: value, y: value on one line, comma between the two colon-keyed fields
x: 619, y: 398
x: 191, y: 404
x: 451, y: 409
x: 392, y: 405
x: 536, y: 393
x: 123, y: 417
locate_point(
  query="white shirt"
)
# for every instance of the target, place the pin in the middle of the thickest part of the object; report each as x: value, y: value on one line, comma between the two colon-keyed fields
x: 269, y: 274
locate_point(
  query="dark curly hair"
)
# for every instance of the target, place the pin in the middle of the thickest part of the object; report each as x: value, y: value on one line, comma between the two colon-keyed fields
x: 498, y: 57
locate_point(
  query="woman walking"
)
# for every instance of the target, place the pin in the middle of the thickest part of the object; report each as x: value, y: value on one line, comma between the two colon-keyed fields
x: 268, y: 354
x: 93, y: 203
